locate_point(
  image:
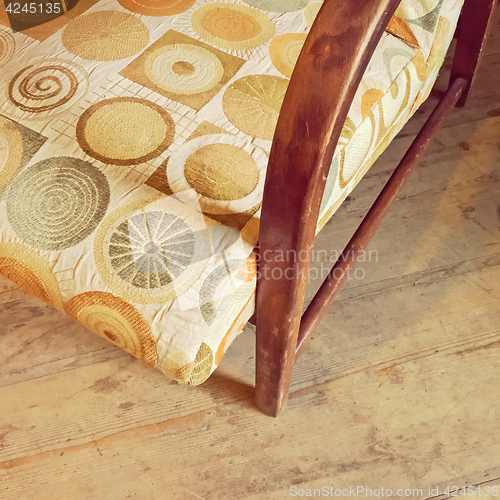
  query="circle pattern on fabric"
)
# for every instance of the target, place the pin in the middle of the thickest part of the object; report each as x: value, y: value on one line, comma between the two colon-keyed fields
x: 183, y: 68
x: 125, y: 130
x: 253, y: 103
x: 115, y: 320
x: 11, y: 151
x: 7, y: 47
x: 278, y: 5
x: 232, y: 26
x: 284, y: 51
x: 149, y: 254
x: 27, y: 269
x: 216, y: 286
x: 311, y: 11
x: 57, y: 203
x: 221, y: 170
x: 105, y: 36
x: 155, y: 8
x: 47, y: 85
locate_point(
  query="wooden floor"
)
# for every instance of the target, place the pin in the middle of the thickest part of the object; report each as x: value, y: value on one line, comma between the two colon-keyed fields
x: 399, y: 389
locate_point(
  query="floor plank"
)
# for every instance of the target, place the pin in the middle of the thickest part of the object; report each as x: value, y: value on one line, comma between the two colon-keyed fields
x: 399, y: 388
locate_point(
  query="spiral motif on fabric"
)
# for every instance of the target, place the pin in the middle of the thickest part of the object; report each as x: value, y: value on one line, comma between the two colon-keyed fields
x: 27, y: 269
x: 184, y: 69
x: 253, y: 103
x: 45, y: 85
x: 7, y: 47
x: 115, y: 320
x: 57, y: 203
x: 232, y: 26
x: 149, y: 254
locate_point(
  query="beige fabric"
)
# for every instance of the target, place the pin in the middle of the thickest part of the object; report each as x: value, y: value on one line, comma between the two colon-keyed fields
x: 134, y: 141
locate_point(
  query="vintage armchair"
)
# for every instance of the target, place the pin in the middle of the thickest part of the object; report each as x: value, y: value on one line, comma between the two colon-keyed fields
x: 165, y: 166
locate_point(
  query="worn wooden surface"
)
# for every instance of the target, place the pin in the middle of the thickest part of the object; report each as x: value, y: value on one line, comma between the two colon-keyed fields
x: 356, y: 249
x: 474, y: 21
x: 330, y: 66
x: 399, y: 388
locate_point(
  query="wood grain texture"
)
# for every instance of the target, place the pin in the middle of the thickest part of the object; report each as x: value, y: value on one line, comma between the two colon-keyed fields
x: 330, y: 68
x: 356, y: 248
x: 404, y: 394
x: 326, y: 76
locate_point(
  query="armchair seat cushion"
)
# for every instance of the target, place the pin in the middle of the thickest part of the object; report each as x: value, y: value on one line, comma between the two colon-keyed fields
x: 134, y: 142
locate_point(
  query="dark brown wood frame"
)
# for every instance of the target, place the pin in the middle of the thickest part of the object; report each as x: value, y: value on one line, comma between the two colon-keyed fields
x: 327, y: 74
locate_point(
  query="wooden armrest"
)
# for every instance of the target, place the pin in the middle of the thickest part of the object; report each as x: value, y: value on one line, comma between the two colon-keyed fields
x: 326, y: 76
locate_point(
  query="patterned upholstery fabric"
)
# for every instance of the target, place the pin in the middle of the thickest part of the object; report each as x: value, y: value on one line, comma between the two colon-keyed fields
x: 134, y: 138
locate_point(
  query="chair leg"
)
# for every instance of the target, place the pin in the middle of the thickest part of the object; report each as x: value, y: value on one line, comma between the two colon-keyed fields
x: 279, y: 346
x: 276, y: 345
x: 472, y: 30
x: 333, y: 282
x: 273, y: 375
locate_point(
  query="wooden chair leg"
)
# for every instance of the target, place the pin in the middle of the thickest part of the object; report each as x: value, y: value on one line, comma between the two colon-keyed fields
x: 278, y: 349
x: 336, y: 52
x: 472, y: 30
x: 333, y: 282
x: 275, y: 353
x: 312, y: 123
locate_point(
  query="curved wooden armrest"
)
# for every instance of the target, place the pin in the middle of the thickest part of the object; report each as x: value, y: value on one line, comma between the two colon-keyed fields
x: 326, y: 76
